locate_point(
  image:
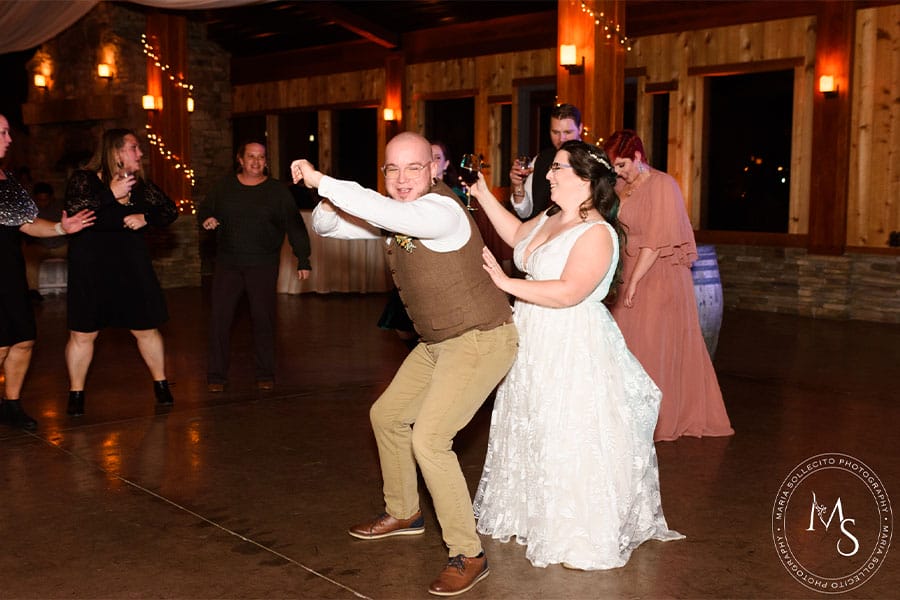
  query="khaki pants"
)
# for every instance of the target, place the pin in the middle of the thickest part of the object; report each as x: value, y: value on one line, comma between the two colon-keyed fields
x: 439, y: 387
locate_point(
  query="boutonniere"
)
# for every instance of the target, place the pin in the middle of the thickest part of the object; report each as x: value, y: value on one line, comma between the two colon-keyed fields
x: 405, y: 242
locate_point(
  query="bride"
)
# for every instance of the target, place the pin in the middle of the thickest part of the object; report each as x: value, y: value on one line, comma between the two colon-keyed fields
x: 571, y: 469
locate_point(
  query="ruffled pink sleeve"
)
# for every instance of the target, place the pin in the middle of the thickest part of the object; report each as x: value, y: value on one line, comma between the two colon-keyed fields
x: 667, y: 228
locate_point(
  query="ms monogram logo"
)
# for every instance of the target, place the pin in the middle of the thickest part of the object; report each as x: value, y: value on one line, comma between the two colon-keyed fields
x: 820, y: 510
x: 832, y: 548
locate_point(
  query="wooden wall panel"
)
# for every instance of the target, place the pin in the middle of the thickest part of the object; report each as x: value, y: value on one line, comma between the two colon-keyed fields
x: 361, y: 87
x: 874, y: 191
x: 668, y: 57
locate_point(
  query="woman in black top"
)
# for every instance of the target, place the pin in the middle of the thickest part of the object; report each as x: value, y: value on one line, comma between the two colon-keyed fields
x: 111, y: 279
x: 18, y: 214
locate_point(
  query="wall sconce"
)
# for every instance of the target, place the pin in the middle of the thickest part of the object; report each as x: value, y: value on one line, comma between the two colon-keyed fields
x: 151, y: 102
x: 388, y: 114
x: 828, y: 86
x: 568, y: 59
x: 104, y: 71
x: 40, y: 81
x: 190, y: 104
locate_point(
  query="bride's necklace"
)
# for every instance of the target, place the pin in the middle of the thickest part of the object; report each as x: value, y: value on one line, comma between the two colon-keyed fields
x: 631, y: 187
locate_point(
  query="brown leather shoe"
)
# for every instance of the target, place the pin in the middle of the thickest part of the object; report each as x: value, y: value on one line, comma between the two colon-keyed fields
x: 460, y: 575
x: 265, y: 385
x: 385, y: 525
x: 215, y: 388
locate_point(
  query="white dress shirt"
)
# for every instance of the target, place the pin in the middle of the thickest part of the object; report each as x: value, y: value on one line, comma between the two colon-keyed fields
x: 439, y: 222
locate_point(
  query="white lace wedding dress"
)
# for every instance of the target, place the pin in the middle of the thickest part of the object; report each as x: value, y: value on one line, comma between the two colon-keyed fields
x: 571, y: 469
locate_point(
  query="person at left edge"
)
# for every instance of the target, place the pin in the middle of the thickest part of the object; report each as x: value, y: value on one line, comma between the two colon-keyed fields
x: 250, y: 213
x: 18, y: 215
x: 111, y: 281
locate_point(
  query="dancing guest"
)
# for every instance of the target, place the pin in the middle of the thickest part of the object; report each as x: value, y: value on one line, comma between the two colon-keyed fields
x: 250, y: 214
x: 18, y: 215
x: 530, y: 190
x: 657, y: 310
x: 111, y: 280
x: 440, y: 153
x: 467, y: 345
x: 571, y: 469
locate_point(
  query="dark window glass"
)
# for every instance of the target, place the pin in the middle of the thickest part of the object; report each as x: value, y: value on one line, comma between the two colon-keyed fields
x: 452, y: 122
x: 356, y: 146
x: 659, y: 154
x: 299, y: 138
x: 749, y: 152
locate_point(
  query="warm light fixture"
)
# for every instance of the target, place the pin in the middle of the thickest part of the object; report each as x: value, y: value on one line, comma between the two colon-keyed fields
x: 389, y: 114
x: 190, y: 104
x: 148, y: 101
x: 568, y: 59
x: 104, y: 71
x: 40, y: 80
x: 828, y: 86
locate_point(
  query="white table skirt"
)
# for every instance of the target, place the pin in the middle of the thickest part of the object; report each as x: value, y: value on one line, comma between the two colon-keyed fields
x: 337, y: 265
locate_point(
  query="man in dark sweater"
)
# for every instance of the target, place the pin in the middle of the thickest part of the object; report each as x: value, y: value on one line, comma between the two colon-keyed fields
x: 250, y: 214
x: 530, y: 188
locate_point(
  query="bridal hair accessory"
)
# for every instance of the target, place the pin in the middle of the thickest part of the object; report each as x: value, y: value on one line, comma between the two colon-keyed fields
x: 600, y: 160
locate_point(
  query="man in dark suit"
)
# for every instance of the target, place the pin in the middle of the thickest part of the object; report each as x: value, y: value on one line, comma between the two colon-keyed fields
x: 530, y: 188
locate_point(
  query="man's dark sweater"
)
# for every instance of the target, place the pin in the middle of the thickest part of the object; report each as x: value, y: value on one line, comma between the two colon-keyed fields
x: 253, y: 221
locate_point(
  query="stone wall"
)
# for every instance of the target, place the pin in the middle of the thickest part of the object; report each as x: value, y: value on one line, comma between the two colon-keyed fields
x: 59, y: 139
x: 790, y: 280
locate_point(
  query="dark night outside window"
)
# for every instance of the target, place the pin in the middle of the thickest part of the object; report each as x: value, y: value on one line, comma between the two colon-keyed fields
x: 452, y: 121
x: 749, y: 152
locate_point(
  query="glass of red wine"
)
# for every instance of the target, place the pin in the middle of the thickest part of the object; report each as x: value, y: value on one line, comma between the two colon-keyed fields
x: 469, y: 167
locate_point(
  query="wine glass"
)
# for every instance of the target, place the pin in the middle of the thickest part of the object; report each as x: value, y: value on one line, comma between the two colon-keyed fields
x: 469, y: 167
x: 522, y: 163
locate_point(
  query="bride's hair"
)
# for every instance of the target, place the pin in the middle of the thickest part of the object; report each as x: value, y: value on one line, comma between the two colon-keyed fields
x: 591, y: 163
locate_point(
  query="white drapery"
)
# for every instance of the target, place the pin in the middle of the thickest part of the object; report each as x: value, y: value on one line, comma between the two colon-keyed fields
x: 25, y: 24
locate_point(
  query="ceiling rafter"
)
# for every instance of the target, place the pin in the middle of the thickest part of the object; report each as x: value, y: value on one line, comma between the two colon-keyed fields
x: 355, y: 23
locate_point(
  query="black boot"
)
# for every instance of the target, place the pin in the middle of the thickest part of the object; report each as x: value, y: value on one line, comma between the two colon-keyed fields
x: 12, y: 414
x: 76, y: 404
x: 163, y: 395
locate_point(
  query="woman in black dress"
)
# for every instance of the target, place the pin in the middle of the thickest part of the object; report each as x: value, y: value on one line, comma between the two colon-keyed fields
x: 18, y: 214
x: 111, y: 278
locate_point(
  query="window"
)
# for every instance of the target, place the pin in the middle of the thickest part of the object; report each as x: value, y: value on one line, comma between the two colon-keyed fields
x: 355, y: 152
x: 452, y: 122
x: 748, y: 153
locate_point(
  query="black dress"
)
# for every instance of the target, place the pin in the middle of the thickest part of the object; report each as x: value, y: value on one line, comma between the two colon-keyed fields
x: 16, y: 314
x: 111, y: 278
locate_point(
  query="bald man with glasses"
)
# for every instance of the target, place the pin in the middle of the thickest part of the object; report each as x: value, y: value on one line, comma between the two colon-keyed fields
x: 468, y: 343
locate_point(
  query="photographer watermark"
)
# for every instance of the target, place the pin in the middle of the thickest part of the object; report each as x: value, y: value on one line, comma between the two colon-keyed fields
x: 832, y: 523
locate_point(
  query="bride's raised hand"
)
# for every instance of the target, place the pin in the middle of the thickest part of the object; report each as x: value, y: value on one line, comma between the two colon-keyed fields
x: 480, y: 189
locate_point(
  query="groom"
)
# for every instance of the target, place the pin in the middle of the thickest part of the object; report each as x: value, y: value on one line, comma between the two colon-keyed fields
x: 468, y: 344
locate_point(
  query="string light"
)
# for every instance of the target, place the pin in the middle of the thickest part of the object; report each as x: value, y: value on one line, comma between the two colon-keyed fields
x: 178, y: 81
x: 154, y: 139
x: 610, y: 28
x: 185, y: 206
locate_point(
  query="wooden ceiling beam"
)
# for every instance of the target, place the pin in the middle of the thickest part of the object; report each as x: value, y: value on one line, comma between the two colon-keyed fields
x: 355, y: 23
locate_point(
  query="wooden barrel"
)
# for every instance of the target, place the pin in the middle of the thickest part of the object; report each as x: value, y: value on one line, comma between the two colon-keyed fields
x: 708, y: 292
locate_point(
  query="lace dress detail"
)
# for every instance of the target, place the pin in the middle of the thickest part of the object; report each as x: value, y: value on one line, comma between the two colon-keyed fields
x: 571, y: 470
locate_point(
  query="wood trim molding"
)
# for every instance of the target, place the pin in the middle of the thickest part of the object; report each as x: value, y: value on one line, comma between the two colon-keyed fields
x: 450, y: 95
x: 661, y: 87
x: 751, y: 238
x: 758, y: 66
x: 529, y: 81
